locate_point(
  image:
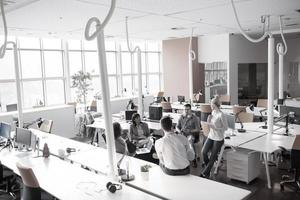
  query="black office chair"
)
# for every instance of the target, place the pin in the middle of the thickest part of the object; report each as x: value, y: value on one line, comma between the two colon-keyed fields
x: 295, y: 165
x: 8, y: 182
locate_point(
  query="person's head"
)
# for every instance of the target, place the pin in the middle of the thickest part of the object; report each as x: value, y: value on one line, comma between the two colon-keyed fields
x: 136, y: 119
x: 215, y: 103
x: 166, y: 123
x: 187, y: 109
x: 117, y: 129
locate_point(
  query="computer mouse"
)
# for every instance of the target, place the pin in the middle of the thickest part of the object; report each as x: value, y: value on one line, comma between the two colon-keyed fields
x: 227, y: 137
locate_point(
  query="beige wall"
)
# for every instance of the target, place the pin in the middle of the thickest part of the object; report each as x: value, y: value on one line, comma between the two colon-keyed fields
x: 175, y: 67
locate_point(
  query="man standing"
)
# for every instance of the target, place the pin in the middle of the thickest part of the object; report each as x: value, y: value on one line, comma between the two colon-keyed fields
x: 189, y: 126
x: 173, y: 150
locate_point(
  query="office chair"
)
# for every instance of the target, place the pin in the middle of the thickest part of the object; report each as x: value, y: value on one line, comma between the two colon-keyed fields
x: 46, y: 125
x: 225, y: 99
x: 295, y: 164
x: 31, y: 187
x: 262, y: 103
x: 8, y: 183
x: 166, y: 106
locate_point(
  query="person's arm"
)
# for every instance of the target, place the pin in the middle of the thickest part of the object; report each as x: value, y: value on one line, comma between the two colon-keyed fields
x: 158, y: 149
x: 131, y: 133
x: 146, y: 129
x: 196, y: 125
x: 179, y: 124
x: 224, y: 126
x: 189, y: 149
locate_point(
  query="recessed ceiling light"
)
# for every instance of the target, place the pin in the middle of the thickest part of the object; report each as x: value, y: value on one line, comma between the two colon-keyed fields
x: 289, y: 25
x: 177, y: 28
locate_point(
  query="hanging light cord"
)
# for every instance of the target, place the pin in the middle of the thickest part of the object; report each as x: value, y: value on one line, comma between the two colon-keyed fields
x: 99, y: 26
x: 3, y: 47
x: 279, y: 50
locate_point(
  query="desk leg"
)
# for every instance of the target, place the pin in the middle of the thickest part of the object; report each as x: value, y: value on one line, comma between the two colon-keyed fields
x: 219, y: 159
x: 267, y: 169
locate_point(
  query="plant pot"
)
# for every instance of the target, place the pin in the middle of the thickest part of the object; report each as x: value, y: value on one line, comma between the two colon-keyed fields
x: 145, y: 176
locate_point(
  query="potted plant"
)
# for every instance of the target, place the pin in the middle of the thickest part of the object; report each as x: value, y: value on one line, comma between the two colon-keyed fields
x: 145, y: 171
x: 82, y: 82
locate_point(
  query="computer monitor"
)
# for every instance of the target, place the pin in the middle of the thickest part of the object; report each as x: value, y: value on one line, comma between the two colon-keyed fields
x: 180, y: 98
x: 230, y: 121
x: 23, y: 137
x: 128, y: 114
x: 5, y: 130
x: 155, y: 112
x: 11, y: 107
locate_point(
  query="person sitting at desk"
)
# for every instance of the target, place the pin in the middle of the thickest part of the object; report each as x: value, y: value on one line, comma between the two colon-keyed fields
x: 120, y: 143
x: 189, y: 126
x: 173, y: 150
x: 139, y: 132
x: 218, y: 125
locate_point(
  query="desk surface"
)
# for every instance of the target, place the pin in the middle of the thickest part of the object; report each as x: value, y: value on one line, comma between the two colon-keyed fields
x: 160, y: 184
x: 270, y: 143
x: 56, y: 143
x: 68, y: 181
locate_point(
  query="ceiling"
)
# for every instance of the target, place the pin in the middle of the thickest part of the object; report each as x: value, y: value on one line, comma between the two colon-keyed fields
x: 148, y: 19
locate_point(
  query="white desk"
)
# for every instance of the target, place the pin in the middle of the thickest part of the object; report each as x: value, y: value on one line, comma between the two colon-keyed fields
x: 56, y: 143
x: 186, y: 187
x: 67, y: 181
x: 160, y: 184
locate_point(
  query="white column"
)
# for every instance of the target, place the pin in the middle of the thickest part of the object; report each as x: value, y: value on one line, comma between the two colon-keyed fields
x: 271, y: 44
x: 280, y: 87
x: 18, y: 85
x: 191, y: 92
x: 110, y: 140
x: 140, y: 90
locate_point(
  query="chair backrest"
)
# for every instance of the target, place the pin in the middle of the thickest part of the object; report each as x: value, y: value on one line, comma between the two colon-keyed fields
x: 262, y: 103
x: 46, y: 126
x: 166, y: 106
x: 11, y: 107
x: 93, y: 106
x: 206, y: 108
x: 205, y: 128
x: 205, y: 111
x: 225, y: 99
x: 28, y: 177
x: 236, y: 109
x: 246, y: 117
x: 160, y: 94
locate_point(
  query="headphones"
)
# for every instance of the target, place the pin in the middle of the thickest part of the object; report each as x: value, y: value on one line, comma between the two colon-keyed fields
x: 69, y: 150
x: 113, y: 187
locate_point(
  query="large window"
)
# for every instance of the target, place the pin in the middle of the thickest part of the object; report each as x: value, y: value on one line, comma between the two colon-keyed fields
x: 47, y: 65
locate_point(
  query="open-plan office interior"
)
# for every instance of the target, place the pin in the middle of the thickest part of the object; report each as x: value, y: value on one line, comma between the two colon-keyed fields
x: 121, y: 99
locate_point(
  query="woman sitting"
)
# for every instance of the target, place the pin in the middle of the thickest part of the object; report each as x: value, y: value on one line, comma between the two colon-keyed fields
x: 139, y: 132
x: 120, y: 143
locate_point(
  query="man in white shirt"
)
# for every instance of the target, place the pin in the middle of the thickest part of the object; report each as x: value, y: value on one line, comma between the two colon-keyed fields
x: 173, y: 150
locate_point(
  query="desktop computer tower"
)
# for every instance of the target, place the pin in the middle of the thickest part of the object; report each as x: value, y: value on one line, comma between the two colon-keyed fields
x: 155, y: 112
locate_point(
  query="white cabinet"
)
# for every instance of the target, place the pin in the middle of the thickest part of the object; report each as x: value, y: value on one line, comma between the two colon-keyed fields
x: 243, y: 165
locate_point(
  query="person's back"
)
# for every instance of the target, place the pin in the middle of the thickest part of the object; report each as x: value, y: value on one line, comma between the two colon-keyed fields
x: 173, y: 150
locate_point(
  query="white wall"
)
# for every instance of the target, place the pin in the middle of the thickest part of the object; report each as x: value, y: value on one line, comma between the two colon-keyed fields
x: 63, y: 118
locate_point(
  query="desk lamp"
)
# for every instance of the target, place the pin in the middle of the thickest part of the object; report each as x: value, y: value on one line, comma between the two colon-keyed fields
x: 242, y: 130
x: 124, y: 173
